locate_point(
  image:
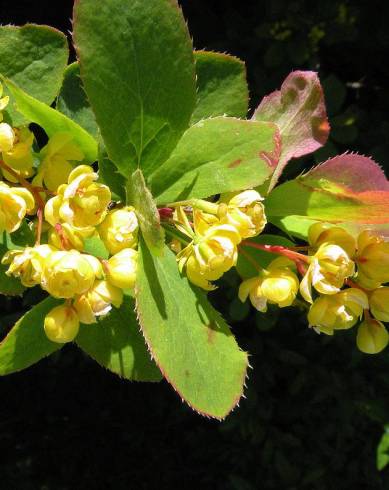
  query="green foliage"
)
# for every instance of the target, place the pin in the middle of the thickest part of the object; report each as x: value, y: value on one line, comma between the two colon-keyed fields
x: 383, y: 450
x: 116, y: 343
x: 140, y: 197
x: 137, y: 67
x: 214, y: 156
x: 188, y: 339
x: 26, y: 343
x: 51, y: 120
x: 34, y: 57
x: 221, y: 86
x: 73, y: 103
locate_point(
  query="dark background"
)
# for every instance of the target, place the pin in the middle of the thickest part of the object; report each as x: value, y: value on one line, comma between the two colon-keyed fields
x: 315, y: 407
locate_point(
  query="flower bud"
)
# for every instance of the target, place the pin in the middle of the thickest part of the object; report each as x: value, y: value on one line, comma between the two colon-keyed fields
x: 379, y: 304
x: 320, y: 233
x: 119, y: 230
x: 97, y: 301
x: 68, y: 273
x: 27, y: 264
x: 7, y: 137
x: 81, y: 202
x: 61, y: 324
x: 20, y: 156
x: 327, y: 272
x: 15, y: 202
x: 277, y: 285
x: 372, y: 260
x: 338, y: 311
x: 121, y: 268
x: 245, y: 212
x: 372, y: 336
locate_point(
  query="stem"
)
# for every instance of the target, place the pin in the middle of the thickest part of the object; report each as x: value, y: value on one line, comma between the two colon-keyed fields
x: 169, y: 231
x: 206, y: 206
x: 64, y: 241
x: 278, y: 249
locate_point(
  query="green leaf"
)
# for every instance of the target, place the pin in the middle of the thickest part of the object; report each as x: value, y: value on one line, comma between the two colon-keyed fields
x: 383, y: 450
x: 190, y: 342
x: 147, y: 213
x: 249, y: 255
x: 217, y: 155
x: 34, y: 57
x: 221, y: 86
x: 52, y: 121
x: 95, y: 246
x: 26, y: 343
x: 299, y: 111
x: 10, y: 286
x: 117, y: 344
x: 109, y: 175
x: 72, y: 101
x: 137, y: 66
x: 349, y: 190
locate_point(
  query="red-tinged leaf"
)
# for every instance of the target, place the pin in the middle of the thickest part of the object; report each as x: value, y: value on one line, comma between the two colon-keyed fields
x: 349, y: 190
x: 299, y: 111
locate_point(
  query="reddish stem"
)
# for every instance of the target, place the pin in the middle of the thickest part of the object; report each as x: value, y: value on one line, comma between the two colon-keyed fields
x: 64, y: 241
x: 278, y: 249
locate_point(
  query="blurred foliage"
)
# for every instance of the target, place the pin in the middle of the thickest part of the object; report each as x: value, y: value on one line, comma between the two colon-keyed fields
x: 315, y: 408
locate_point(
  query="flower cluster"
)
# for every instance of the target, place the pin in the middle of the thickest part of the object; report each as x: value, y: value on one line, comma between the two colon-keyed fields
x: 71, y: 207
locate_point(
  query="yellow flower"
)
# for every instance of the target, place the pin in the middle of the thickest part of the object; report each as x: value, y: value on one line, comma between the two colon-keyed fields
x: 69, y: 273
x: 338, y: 311
x: 320, y: 233
x: 119, y: 230
x: 379, y: 304
x: 68, y: 237
x: 120, y: 269
x: 15, y: 202
x: 7, y: 137
x: 55, y: 164
x: 61, y: 324
x: 81, y: 202
x: 212, y: 252
x: 372, y: 260
x: 372, y: 336
x: 20, y: 157
x: 244, y: 211
x: 27, y: 264
x: 327, y: 272
x: 97, y: 301
x: 276, y: 285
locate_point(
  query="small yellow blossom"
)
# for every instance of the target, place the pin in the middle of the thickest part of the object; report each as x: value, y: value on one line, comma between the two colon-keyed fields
x: 15, y: 202
x: 327, y: 271
x: 120, y: 269
x: 372, y: 260
x: 27, y: 264
x: 20, y: 157
x: 320, y: 233
x: 277, y: 284
x: 82, y: 202
x: 97, y: 301
x: 338, y: 311
x: 379, y: 304
x: 62, y: 324
x: 119, y: 230
x: 245, y: 212
x: 372, y: 336
x: 7, y: 137
x: 67, y: 237
x: 56, y: 158
x: 212, y: 252
x: 69, y: 273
